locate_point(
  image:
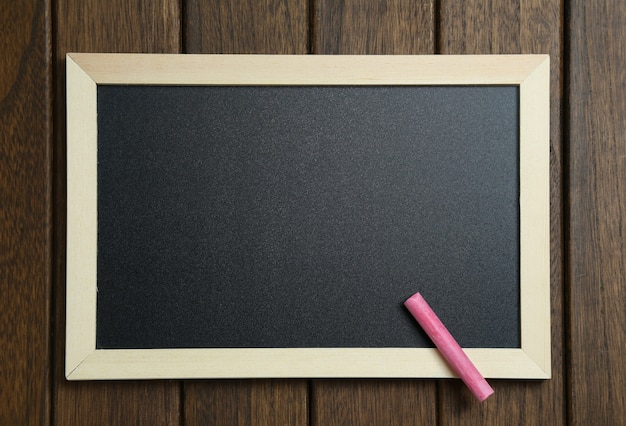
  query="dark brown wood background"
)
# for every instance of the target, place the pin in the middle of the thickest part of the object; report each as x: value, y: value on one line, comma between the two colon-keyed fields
x: 587, y: 44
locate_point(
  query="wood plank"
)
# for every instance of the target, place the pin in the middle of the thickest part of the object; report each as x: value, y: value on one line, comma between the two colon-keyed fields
x: 489, y: 26
x: 373, y: 27
x: 118, y: 403
x: 246, y: 26
x: 597, y: 203
x: 245, y: 402
x: 373, y: 402
x: 95, y: 26
x: 25, y: 212
x: 479, y: 26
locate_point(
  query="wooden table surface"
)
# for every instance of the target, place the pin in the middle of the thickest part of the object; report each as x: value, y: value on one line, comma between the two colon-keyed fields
x: 587, y: 44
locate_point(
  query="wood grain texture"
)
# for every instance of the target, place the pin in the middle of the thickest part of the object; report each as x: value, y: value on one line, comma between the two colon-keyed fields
x: 246, y: 26
x: 479, y: 26
x: 246, y: 402
x: 373, y: 402
x: 489, y: 26
x: 95, y: 26
x: 370, y: 27
x: 373, y: 27
x: 597, y: 202
x: 117, y: 403
x: 25, y: 213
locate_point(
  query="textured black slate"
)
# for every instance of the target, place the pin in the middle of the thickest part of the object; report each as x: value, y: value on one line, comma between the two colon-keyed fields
x: 305, y: 216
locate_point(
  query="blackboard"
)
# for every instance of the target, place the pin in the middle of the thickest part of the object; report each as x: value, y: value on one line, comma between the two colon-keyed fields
x: 300, y: 216
x: 305, y: 216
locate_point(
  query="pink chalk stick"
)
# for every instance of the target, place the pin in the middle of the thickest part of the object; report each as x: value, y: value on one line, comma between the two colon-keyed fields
x: 448, y: 347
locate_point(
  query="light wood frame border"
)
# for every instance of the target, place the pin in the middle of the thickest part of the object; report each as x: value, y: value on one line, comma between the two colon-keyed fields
x: 86, y: 71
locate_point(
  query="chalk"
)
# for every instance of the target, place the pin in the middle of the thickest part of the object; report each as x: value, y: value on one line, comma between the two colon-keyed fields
x: 448, y: 347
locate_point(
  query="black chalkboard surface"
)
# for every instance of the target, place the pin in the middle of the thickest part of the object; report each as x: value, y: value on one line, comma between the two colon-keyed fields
x: 267, y: 216
x: 305, y: 216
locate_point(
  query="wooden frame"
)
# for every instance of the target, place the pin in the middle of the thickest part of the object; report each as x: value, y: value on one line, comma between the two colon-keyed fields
x: 86, y: 71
